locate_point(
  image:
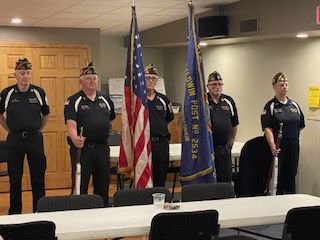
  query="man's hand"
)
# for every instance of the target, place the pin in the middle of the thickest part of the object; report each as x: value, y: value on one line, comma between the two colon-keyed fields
x: 78, y: 141
x: 275, y: 151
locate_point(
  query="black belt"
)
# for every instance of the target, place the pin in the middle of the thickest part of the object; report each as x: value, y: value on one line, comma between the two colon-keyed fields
x: 158, y: 139
x: 24, y: 134
x: 95, y: 145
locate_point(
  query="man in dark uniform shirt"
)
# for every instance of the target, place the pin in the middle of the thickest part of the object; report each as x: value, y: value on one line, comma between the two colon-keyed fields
x: 278, y: 110
x: 93, y: 111
x: 224, y: 122
x: 160, y: 114
x: 27, y: 112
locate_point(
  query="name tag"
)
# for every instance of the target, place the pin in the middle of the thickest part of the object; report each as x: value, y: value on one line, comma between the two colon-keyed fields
x: 294, y: 110
x: 85, y: 107
x: 102, y: 105
x: 159, y: 108
x: 225, y: 108
x: 15, y: 100
x: 33, y: 100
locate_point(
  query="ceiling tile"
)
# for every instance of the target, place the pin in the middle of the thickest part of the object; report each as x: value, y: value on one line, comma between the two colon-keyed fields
x: 54, y: 22
x: 141, y: 11
x: 116, y: 3
x: 69, y: 15
x: 84, y: 8
x: 111, y: 16
x: 157, y: 3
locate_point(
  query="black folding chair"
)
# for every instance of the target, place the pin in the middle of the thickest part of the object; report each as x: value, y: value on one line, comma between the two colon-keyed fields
x: 130, y: 197
x: 255, y: 159
x: 211, y: 191
x: 38, y: 230
x: 207, y: 191
x: 199, y: 225
x: 175, y: 170
x: 115, y: 140
x: 302, y: 223
x: 70, y: 202
x: 4, y: 156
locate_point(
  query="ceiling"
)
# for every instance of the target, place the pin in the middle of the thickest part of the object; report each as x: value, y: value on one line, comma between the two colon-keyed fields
x: 111, y: 16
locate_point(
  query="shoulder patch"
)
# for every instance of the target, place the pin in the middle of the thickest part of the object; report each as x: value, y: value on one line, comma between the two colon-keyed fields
x: 66, y: 103
x: 264, y: 112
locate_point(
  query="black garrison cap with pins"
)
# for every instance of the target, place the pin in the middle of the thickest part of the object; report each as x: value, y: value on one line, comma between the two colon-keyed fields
x: 88, y: 70
x: 23, y: 64
x: 279, y: 77
x: 151, y: 69
x: 215, y: 76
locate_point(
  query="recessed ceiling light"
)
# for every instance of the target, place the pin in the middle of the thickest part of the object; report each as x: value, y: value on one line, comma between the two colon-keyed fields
x: 16, y: 20
x: 203, y: 44
x: 302, y: 35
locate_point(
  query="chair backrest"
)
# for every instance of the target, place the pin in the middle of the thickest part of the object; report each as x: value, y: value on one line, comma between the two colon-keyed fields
x: 207, y: 191
x: 114, y: 138
x: 255, y: 159
x: 199, y: 225
x: 39, y: 230
x: 302, y: 223
x: 4, y: 156
x: 72, y: 202
x: 130, y: 197
x: 4, y: 152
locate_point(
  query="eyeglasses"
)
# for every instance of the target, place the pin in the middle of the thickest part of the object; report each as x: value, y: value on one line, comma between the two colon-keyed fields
x: 151, y: 78
x: 215, y: 84
x: 283, y: 84
x: 89, y: 79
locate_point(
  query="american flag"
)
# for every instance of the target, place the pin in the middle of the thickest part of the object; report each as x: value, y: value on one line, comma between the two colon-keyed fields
x: 135, y: 149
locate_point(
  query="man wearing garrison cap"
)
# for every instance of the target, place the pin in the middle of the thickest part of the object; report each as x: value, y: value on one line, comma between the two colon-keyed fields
x: 92, y: 111
x: 160, y: 114
x: 282, y: 109
x: 27, y: 113
x: 224, y: 122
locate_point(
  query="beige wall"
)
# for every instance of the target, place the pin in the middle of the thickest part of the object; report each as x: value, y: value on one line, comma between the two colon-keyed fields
x: 54, y: 35
x: 285, y: 17
x: 275, y: 17
x: 113, y: 58
x: 247, y: 69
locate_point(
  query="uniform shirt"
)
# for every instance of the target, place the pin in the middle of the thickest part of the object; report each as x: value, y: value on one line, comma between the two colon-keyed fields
x: 24, y: 109
x: 93, y: 116
x: 160, y: 114
x: 224, y: 117
x: 289, y: 114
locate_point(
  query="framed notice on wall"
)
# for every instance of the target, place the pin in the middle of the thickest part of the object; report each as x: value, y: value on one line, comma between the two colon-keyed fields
x: 116, y: 91
x: 116, y: 86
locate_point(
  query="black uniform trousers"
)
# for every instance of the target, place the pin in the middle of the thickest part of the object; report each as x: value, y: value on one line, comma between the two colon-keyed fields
x: 223, y: 164
x: 95, y: 161
x: 160, y: 161
x: 287, y: 166
x: 73, y: 158
x: 30, y: 144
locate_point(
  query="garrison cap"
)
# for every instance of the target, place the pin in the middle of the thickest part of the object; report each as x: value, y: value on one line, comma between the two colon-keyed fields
x: 215, y: 76
x: 279, y: 77
x: 88, y: 70
x: 151, y: 69
x: 23, y: 64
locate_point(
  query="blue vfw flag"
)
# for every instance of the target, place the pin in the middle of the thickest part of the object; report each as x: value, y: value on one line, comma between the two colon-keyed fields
x: 197, y: 160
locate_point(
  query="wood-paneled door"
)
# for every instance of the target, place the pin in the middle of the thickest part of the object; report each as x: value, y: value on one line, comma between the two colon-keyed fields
x: 56, y: 69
